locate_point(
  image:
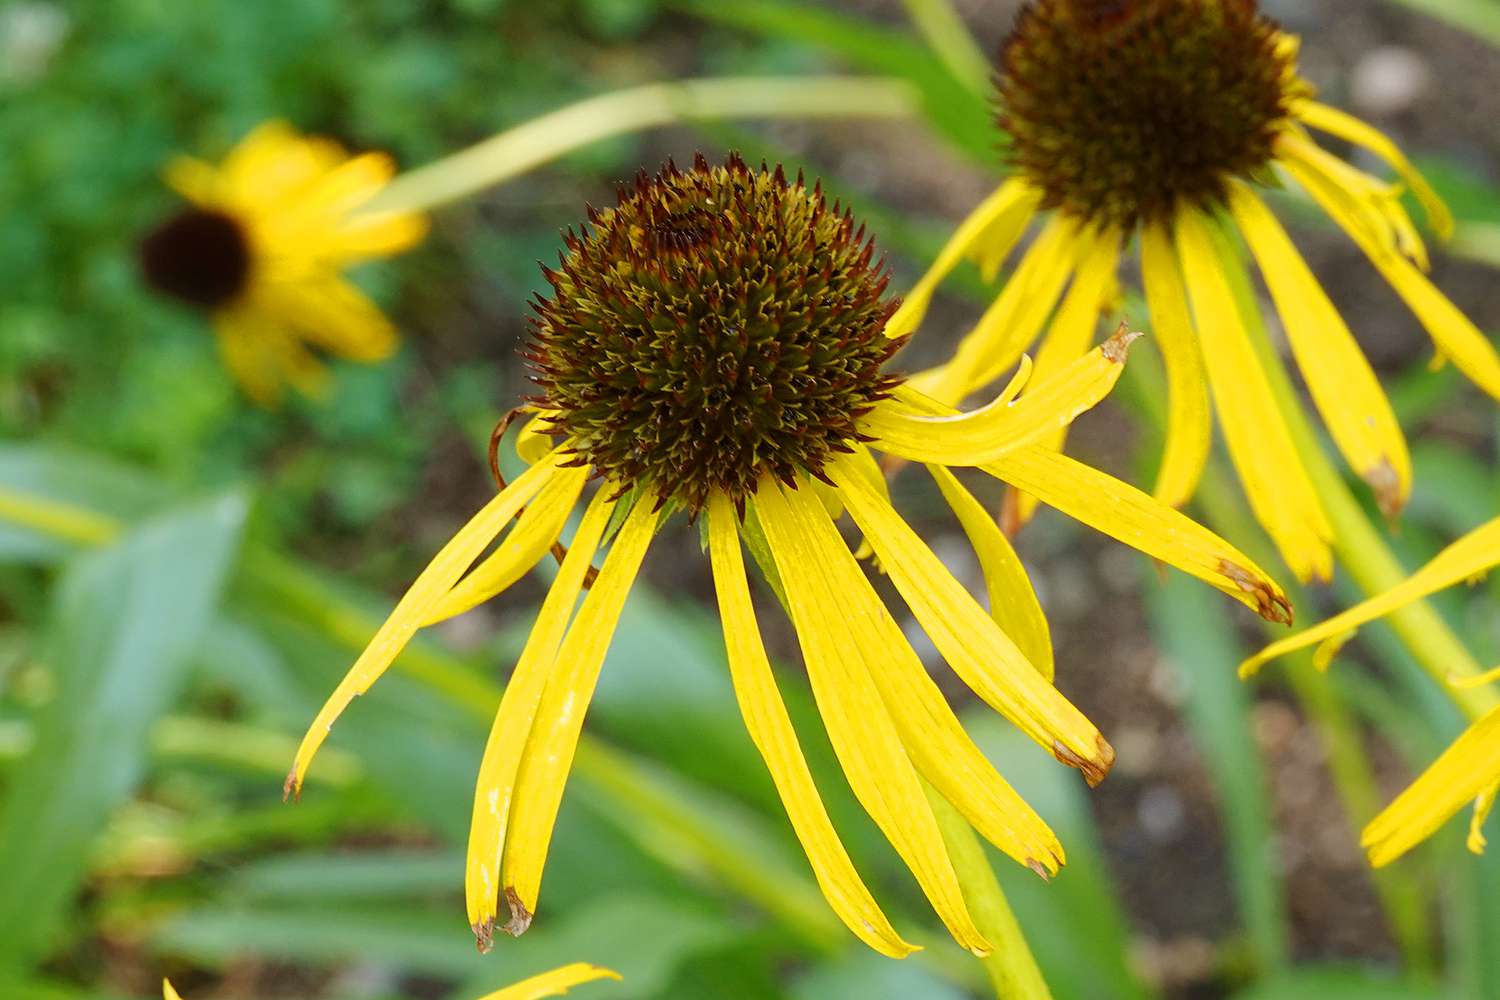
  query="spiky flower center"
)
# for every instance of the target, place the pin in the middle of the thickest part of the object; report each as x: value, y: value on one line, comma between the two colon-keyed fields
x: 1122, y: 110
x: 199, y: 256
x: 717, y: 324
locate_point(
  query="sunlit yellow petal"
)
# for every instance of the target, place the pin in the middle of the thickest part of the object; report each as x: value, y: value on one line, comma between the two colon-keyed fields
x: 771, y: 730
x: 1013, y: 600
x: 433, y: 582
x: 244, y: 344
x: 1475, y: 841
x: 270, y: 164
x: 559, y: 717
x: 1349, y: 128
x: 1343, y: 386
x: 364, y: 236
x: 1466, y: 558
x: 534, y: 439
x: 1276, y: 483
x: 554, y: 983
x: 495, y: 787
x: 534, y: 532
x: 331, y: 313
x: 1468, y: 768
x: 168, y: 991
x: 859, y: 724
x: 991, y: 229
x: 1189, y: 421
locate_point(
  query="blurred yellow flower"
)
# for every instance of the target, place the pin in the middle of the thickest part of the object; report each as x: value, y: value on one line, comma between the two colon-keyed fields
x: 263, y: 248
x: 548, y: 984
x: 1157, y: 119
x: 714, y: 344
x: 1469, y: 770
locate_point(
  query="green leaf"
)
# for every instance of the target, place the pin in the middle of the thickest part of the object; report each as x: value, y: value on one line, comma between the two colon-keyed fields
x: 1480, y: 18
x: 126, y: 621
x: 1329, y: 982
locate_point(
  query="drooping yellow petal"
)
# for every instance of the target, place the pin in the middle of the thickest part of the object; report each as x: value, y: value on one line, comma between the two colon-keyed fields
x: 1466, y: 770
x: 534, y: 532
x: 771, y: 730
x: 1466, y: 558
x: 1454, y: 335
x: 1343, y: 386
x: 243, y: 340
x: 554, y: 983
x: 860, y: 727
x: 495, y: 787
x: 1276, y: 483
x: 1335, y: 122
x: 1377, y: 204
x: 550, y: 747
x: 991, y: 230
x: 982, y: 655
x: 1121, y: 511
x: 1013, y: 600
x: 1485, y: 802
x: 168, y: 991
x: 918, y: 428
x: 433, y: 582
x: 1012, y: 320
x: 1189, y: 422
x: 333, y: 314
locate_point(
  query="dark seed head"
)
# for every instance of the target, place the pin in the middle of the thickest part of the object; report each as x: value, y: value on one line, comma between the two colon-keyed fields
x: 717, y: 324
x: 199, y: 256
x: 1121, y: 110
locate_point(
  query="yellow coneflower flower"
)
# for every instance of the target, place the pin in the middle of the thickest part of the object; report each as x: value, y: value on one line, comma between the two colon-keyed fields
x: 263, y: 248
x: 1158, y: 119
x: 1469, y: 770
x: 548, y: 984
x: 713, y: 344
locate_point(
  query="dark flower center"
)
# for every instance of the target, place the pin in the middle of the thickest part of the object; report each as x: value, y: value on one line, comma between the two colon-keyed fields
x: 199, y: 256
x: 717, y: 324
x: 1121, y: 110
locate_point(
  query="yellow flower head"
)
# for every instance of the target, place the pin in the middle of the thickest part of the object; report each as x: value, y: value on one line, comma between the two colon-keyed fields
x: 713, y: 344
x: 1158, y: 119
x: 263, y: 245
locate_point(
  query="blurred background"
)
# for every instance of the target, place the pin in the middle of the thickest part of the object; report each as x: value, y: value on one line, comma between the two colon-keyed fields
x: 206, y: 570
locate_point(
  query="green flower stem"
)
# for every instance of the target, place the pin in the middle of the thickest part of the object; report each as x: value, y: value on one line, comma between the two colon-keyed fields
x: 540, y: 140
x: 1011, y: 967
x: 950, y: 40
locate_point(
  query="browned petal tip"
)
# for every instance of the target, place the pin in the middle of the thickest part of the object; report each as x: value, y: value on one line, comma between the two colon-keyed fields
x: 1039, y: 868
x: 1270, y: 603
x: 290, y: 789
x: 1386, y: 486
x: 520, y: 917
x: 1117, y: 347
x: 484, y: 935
x: 1094, y: 769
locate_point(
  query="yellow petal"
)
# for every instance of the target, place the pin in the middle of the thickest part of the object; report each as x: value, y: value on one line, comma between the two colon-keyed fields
x: 433, y: 582
x: 771, y: 730
x: 1455, y: 336
x: 1189, y: 423
x: 1345, y: 126
x: 533, y: 534
x: 982, y: 655
x: 168, y: 991
x: 859, y: 723
x: 336, y: 316
x: 1468, y: 768
x: 365, y: 236
x: 991, y: 229
x: 495, y: 787
x: 271, y: 164
x: 1343, y: 386
x: 1475, y: 841
x: 919, y: 428
x: 1124, y: 512
x: 1276, y: 483
x: 548, y: 755
x: 195, y: 180
x: 554, y: 983
x: 1471, y: 555
x: 1013, y: 320
x: 1013, y: 600
x: 244, y: 346
x: 534, y: 439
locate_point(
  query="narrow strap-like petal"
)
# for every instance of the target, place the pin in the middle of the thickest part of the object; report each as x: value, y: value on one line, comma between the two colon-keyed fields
x: 914, y: 427
x: 1471, y: 555
x: 771, y: 730
x: 498, y: 769
x: 554, y: 983
x: 534, y: 439
x: 1345, y: 126
x: 860, y: 727
x: 1484, y: 803
x: 168, y: 991
x: 333, y: 314
x: 433, y: 582
x: 1189, y: 419
x: 991, y: 230
x: 1344, y: 387
x: 1013, y: 600
x: 549, y: 751
x: 529, y: 539
x: 1467, y: 769
x: 1260, y: 444
x: 975, y: 647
